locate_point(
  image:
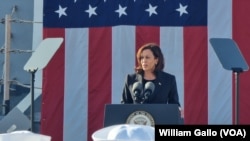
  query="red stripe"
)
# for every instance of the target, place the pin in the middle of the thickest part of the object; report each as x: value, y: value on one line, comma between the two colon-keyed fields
x: 53, y: 91
x: 100, y: 55
x: 241, y: 34
x: 146, y: 34
x: 195, y: 75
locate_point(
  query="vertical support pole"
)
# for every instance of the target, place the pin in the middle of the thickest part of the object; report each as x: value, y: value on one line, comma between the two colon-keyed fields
x: 32, y: 111
x: 236, y: 81
x: 6, y: 97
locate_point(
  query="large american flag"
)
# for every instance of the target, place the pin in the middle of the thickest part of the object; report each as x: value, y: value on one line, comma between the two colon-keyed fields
x: 101, y: 38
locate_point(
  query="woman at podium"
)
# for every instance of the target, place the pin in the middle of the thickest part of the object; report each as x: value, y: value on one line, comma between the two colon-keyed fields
x: 149, y: 83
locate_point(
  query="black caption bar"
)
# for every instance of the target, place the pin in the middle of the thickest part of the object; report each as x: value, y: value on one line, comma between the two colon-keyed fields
x: 218, y: 132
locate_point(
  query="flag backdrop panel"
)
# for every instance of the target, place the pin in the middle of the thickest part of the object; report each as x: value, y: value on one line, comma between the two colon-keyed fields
x: 101, y: 40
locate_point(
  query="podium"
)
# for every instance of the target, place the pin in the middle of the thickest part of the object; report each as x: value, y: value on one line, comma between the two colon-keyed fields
x: 144, y: 114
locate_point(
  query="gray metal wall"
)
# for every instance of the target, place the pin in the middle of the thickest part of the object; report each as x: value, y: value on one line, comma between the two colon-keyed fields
x: 21, y: 31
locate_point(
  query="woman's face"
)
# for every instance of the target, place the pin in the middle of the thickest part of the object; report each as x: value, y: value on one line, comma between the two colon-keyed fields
x: 148, y: 61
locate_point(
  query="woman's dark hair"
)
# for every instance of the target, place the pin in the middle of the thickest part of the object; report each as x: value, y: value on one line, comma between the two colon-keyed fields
x: 156, y: 50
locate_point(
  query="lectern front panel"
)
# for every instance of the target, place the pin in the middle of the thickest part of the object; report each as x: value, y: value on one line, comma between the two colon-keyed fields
x: 161, y: 114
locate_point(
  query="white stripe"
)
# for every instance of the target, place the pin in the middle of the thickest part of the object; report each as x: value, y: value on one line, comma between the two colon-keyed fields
x: 219, y: 79
x: 171, y: 42
x: 123, y: 58
x: 76, y: 87
x: 37, y: 36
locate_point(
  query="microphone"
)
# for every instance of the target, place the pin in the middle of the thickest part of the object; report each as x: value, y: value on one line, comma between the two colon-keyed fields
x: 148, y: 90
x: 137, y: 89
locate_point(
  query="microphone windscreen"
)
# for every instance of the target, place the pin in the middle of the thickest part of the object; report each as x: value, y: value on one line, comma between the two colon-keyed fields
x: 150, y: 86
x: 137, y: 86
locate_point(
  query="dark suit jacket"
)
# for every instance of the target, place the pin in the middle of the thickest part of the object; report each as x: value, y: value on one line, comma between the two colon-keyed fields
x: 165, y: 89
